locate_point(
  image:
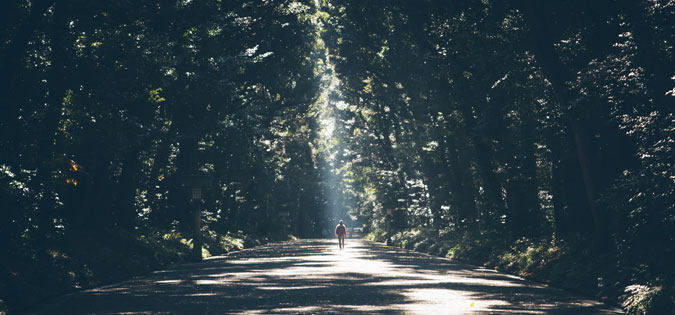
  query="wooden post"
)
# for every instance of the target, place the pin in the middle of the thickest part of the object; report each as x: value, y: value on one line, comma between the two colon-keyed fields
x: 197, y: 184
x: 389, y: 218
x: 197, y: 238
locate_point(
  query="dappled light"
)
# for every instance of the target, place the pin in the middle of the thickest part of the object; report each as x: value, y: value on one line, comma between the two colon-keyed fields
x: 314, y: 276
x: 156, y: 155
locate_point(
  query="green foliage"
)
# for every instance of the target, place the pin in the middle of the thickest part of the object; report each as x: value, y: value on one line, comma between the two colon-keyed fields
x: 223, y: 244
x: 504, y: 130
x: 110, y: 256
x: 565, y: 264
x: 131, y: 100
x: 491, y: 131
x: 525, y: 255
x: 647, y: 299
x: 377, y: 235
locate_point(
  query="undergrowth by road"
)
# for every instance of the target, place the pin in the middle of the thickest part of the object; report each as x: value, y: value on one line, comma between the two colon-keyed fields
x: 563, y: 263
x: 77, y: 263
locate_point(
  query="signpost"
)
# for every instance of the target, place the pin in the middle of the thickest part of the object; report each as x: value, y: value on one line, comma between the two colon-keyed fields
x: 389, y: 216
x: 395, y: 216
x: 284, y: 220
x: 196, y: 184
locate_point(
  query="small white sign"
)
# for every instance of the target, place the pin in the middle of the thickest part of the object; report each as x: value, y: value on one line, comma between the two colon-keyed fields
x: 196, y: 193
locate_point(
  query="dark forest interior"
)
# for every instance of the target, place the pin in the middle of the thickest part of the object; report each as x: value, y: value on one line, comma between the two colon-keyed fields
x: 534, y: 137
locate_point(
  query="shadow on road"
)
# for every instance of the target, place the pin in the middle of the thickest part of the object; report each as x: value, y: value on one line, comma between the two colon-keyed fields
x: 313, y: 276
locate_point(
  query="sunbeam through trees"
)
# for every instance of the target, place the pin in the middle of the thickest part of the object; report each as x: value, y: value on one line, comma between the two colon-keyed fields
x: 533, y: 137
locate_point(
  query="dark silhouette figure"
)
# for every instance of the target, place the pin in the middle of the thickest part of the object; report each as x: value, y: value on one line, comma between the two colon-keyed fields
x: 341, y: 233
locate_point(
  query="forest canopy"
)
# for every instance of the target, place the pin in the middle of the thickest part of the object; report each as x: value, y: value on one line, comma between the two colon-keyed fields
x: 536, y: 137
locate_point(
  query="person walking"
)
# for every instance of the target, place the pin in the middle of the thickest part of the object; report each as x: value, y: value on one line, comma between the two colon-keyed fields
x: 341, y: 233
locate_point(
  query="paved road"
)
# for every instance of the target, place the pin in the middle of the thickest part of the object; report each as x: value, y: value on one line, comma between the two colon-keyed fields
x: 313, y: 276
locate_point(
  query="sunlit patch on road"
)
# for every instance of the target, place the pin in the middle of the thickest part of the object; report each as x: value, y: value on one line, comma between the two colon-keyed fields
x: 313, y: 276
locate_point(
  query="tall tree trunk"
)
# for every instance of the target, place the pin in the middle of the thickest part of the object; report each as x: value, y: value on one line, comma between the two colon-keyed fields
x: 124, y: 210
x: 432, y: 182
x: 558, y: 169
x: 461, y: 182
x: 48, y: 133
x: 523, y: 192
x: 541, y: 43
x: 483, y: 158
x: 186, y: 165
x: 159, y: 168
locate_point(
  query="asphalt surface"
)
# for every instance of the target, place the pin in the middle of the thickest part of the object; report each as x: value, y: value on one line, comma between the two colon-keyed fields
x: 314, y: 277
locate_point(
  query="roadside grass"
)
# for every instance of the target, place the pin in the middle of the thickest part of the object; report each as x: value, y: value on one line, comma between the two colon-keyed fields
x: 114, y: 255
x: 566, y: 263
